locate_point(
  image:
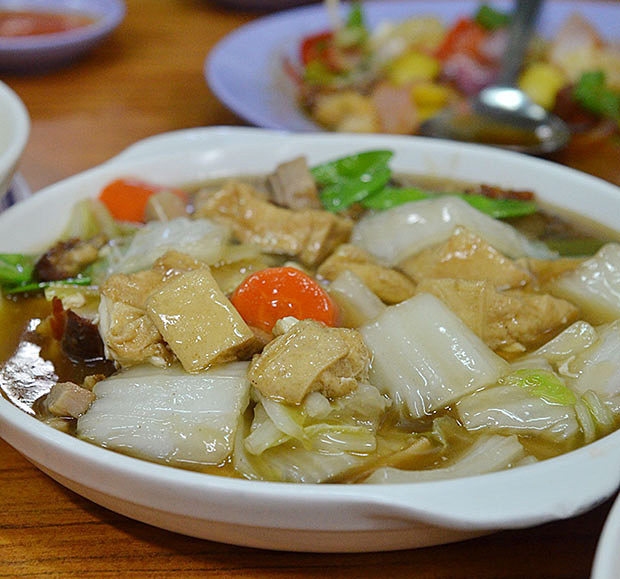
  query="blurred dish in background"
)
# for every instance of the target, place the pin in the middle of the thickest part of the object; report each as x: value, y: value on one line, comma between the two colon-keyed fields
x: 36, y: 35
x: 14, y: 131
x: 391, y: 65
x: 263, y: 5
x: 15, y: 23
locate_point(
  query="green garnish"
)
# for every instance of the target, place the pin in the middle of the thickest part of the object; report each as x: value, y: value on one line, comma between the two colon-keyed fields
x: 490, y: 18
x: 41, y: 285
x: 392, y: 196
x: 351, y: 179
x: 543, y: 384
x: 500, y: 208
x: 318, y: 73
x: 364, y: 178
x: 15, y: 268
x: 593, y: 94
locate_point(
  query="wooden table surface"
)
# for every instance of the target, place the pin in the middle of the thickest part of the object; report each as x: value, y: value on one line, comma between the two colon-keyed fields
x: 146, y: 79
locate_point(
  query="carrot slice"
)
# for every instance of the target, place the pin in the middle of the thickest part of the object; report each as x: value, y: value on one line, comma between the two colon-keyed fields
x: 126, y: 198
x: 276, y: 292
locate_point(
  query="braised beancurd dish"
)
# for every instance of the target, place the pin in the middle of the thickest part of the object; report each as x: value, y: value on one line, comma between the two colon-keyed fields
x: 328, y: 324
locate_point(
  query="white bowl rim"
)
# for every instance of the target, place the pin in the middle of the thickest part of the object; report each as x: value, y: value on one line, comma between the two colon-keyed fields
x: 18, y: 112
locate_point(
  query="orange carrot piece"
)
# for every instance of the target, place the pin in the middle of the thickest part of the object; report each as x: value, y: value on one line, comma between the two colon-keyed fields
x: 276, y: 292
x: 126, y: 198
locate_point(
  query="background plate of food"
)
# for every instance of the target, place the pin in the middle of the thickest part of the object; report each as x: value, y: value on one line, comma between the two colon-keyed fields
x: 391, y: 65
x: 142, y: 367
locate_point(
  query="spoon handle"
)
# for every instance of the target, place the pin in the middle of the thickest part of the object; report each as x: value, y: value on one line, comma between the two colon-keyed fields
x: 523, y: 22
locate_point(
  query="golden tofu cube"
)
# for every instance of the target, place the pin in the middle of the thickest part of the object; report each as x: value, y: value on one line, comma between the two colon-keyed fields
x: 198, y: 322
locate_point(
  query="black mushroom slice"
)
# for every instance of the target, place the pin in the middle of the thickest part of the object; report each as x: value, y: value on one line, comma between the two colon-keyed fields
x: 66, y: 259
x: 79, y: 338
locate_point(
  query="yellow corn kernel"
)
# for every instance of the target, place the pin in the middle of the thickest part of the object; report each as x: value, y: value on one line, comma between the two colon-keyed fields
x: 413, y: 66
x: 429, y: 95
x: 541, y: 82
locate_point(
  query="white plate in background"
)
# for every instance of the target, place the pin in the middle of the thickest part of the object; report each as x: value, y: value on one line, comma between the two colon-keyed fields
x: 244, y: 70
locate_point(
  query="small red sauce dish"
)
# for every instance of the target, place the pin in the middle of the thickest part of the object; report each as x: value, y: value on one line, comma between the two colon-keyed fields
x: 37, y: 35
x: 17, y: 23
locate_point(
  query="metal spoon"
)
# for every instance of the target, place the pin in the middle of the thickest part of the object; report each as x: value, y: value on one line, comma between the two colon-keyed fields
x: 501, y: 114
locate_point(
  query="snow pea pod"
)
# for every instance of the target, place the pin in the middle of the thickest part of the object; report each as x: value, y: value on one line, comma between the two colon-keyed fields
x: 15, y: 268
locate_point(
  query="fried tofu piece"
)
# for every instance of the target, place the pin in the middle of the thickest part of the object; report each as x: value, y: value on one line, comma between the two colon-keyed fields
x: 389, y: 285
x: 507, y: 321
x: 465, y: 256
x: 310, y: 357
x: 130, y: 337
x: 309, y: 235
x: 132, y: 289
x: 198, y: 322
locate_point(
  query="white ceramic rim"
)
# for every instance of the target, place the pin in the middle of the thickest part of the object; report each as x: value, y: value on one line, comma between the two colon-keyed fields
x: 19, y: 126
x: 487, y: 502
x: 607, y: 559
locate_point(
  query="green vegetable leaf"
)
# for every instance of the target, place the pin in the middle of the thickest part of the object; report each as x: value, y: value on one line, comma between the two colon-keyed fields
x: 347, y: 191
x: 392, y: 196
x: 356, y: 16
x: 38, y: 286
x: 593, y: 94
x: 500, y: 208
x: 351, y: 179
x: 15, y: 268
x: 490, y: 18
x: 357, y: 165
x: 496, y: 208
x: 542, y: 383
x: 318, y: 73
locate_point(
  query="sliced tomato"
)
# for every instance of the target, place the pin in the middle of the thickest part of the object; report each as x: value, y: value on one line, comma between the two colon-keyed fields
x: 315, y: 47
x: 465, y: 37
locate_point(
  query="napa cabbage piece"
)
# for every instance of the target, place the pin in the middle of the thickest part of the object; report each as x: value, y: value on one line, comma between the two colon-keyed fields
x: 90, y: 217
x: 168, y: 415
x: 570, y: 342
x: 512, y: 409
x: 594, y: 285
x: 595, y: 417
x: 201, y: 239
x: 424, y: 357
x: 314, y: 442
x: 597, y: 368
x: 403, y: 231
x: 358, y: 304
x: 490, y: 453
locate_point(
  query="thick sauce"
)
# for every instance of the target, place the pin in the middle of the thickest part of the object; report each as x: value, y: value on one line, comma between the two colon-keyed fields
x: 33, y: 23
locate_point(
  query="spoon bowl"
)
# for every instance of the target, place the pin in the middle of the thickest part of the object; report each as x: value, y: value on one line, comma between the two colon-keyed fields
x: 501, y: 114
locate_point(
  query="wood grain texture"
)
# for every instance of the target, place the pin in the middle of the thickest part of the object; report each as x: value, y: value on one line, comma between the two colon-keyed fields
x: 145, y: 79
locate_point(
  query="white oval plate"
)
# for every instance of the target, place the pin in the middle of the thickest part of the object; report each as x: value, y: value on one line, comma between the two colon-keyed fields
x: 244, y: 70
x: 337, y: 518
